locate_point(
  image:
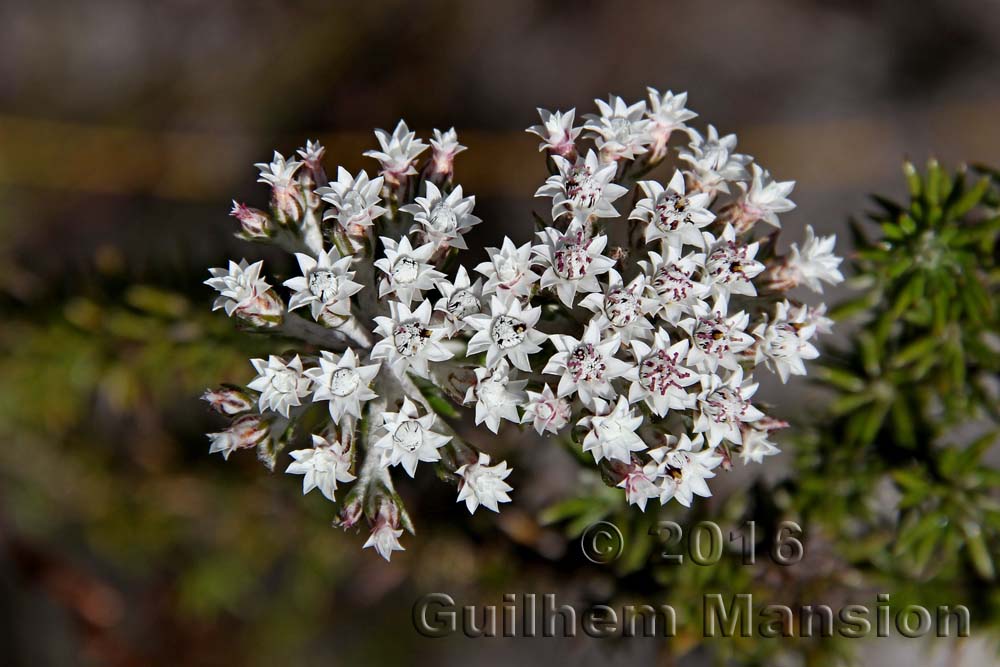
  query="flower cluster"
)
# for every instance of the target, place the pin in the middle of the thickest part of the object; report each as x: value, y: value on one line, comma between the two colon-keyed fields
x: 631, y: 327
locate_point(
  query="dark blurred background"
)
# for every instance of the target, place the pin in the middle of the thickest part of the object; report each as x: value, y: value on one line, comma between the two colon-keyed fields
x: 126, y: 128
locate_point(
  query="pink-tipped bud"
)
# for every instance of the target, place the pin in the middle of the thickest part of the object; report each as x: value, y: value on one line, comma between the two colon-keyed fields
x: 245, y: 432
x: 254, y: 222
x: 265, y: 310
x: 228, y: 401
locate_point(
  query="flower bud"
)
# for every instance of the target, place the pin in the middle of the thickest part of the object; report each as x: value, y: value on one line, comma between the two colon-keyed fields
x: 265, y: 310
x: 227, y: 400
x: 243, y: 433
x: 254, y: 222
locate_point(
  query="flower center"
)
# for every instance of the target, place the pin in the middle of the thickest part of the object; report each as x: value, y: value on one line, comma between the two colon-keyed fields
x: 443, y: 220
x: 405, y: 271
x: 582, y: 189
x: 409, y: 338
x: 284, y: 382
x: 727, y: 264
x: 408, y: 436
x: 462, y: 303
x: 571, y: 262
x: 508, y: 331
x: 586, y: 364
x: 712, y: 336
x: 671, y: 212
x: 659, y: 372
x: 724, y: 405
x: 507, y: 270
x: 784, y: 341
x: 621, y: 130
x: 493, y: 391
x: 672, y: 283
x: 344, y: 381
x: 621, y: 307
x: 324, y: 285
x: 353, y: 204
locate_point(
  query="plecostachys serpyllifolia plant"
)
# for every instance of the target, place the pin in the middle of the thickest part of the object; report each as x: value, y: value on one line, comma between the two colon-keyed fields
x: 631, y: 324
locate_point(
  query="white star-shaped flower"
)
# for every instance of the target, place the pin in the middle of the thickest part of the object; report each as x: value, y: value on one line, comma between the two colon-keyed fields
x: 622, y: 309
x: 326, y: 284
x: 620, y: 131
x: 508, y: 331
x: 662, y: 379
x: 672, y: 279
x: 459, y: 299
x: 582, y: 189
x: 409, y: 438
x: 508, y: 273
x: 612, y: 435
x: 717, y: 339
x: 815, y: 261
x: 757, y: 445
x: 724, y: 406
x: 483, y: 484
x: 342, y: 382
x: 282, y: 386
x: 713, y: 162
x: 322, y: 466
x: 572, y: 261
x: 278, y: 172
x: 667, y: 113
x: 764, y: 199
x: 640, y: 483
x: 355, y: 200
x: 672, y: 216
x: 444, y: 148
x: 685, y: 465
x: 409, y: 342
x: 408, y: 269
x: 546, y: 412
x: 587, y: 366
x: 443, y: 219
x: 496, y: 396
x: 398, y: 152
x: 557, y: 132
x: 384, y: 537
x: 784, y: 343
x: 730, y: 266
x: 239, y: 285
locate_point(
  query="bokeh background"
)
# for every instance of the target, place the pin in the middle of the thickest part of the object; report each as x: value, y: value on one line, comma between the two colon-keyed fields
x: 125, y: 129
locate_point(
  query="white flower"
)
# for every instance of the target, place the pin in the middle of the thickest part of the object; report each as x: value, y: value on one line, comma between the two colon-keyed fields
x: 323, y: 466
x: 815, y: 262
x: 459, y: 299
x: 399, y: 152
x: 784, y: 343
x: 672, y: 279
x: 443, y: 219
x: 557, y: 132
x: 672, y: 216
x: 483, y: 484
x: 409, y: 438
x: 239, y: 285
x: 408, y: 269
x: 718, y: 339
x: 713, y: 161
x: 496, y: 396
x: 508, y: 331
x: 572, y: 261
x: 612, y: 435
x: 546, y: 412
x: 245, y: 432
x: 757, y: 445
x: 764, y: 199
x: 355, y: 200
x: 408, y: 341
x: 685, y: 465
x: 662, y: 380
x: 312, y: 153
x: 587, y: 366
x: 281, y: 385
x: 326, y: 285
x: 444, y: 148
x: 620, y: 131
x: 384, y: 537
x: 622, y: 309
x: 640, y: 483
x: 582, y: 189
x: 666, y: 114
x: 343, y: 383
x: 724, y: 406
x: 509, y: 270
x: 278, y: 172
x: 730, y: 266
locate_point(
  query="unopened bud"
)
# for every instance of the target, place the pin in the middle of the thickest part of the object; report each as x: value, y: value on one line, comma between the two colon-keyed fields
x: 254, y: 222
x: 245, y: 432
x: 265, y: 310
x: 227, y: 400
